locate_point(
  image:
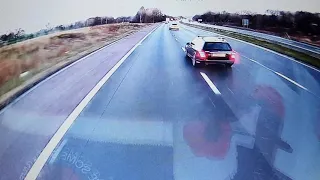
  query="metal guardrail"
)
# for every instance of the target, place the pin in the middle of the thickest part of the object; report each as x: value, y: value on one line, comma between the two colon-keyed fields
x: 293, y: 47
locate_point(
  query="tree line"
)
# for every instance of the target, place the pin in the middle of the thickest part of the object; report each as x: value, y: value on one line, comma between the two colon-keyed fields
x: 299, y: 22
x: 16, y: 36
x: 151, y: 15
x: 144, y: 15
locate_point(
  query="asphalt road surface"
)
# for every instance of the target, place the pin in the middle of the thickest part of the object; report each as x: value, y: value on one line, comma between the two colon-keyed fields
x: 157, y: 117
x: 302, y: 45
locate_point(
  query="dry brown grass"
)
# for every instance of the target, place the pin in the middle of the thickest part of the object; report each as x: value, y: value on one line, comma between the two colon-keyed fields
x: 38, y: 54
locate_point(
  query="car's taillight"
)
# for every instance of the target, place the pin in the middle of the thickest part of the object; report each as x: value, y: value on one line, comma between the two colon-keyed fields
x: 232, y: 56
x: 201, y: 55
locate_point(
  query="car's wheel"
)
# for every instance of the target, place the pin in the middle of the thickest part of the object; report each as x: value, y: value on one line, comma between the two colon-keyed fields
x: 229, y: 65
x: 194, y: 63
x: 187, y: 54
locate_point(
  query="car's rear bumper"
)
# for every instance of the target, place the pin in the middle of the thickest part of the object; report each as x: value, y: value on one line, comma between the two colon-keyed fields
x: 215, y: 61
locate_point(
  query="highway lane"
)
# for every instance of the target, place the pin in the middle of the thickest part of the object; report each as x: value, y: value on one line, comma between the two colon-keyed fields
x: 291, y: 102
x: 157, y: 118
x: 302, y: 45
x: 27, y: 124
x: 307, y: 77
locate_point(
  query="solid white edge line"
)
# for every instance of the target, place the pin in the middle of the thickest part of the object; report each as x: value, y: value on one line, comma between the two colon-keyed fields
x: 269, y: 50
x: 183, y: 49
x: 57, y: 151
x: 277, y: 73
x: 210, y: 83
x: 47, y: 151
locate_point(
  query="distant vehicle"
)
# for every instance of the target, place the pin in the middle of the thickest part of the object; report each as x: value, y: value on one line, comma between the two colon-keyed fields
x: 167, y: 20
x: 210, y: 50
x: 174, y: 26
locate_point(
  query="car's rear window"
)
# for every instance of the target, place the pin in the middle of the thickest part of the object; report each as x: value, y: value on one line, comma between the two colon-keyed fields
x: 217, y: 46
x: 174, y: 24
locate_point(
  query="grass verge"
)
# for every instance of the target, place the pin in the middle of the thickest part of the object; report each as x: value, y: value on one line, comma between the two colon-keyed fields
x: 21, y: 64
x: 299, y: 56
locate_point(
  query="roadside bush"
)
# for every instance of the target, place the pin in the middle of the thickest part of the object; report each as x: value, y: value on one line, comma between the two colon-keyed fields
x: 70, y: 36
x: 114, y: 28
x: 8, y: 70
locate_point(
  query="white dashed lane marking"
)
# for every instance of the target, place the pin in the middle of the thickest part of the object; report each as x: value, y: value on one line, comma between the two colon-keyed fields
x: 210, y: 83
x: 279, y: 74
x: 290, y: 80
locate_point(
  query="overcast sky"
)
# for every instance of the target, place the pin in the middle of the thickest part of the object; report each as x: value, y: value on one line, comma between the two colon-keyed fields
x: 33, y: 15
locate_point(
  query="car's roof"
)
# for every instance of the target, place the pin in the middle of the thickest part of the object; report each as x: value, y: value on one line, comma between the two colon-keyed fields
x: 213, y: 39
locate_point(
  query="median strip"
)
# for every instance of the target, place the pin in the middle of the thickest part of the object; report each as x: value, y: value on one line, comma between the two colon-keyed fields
x: 297, y: 55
